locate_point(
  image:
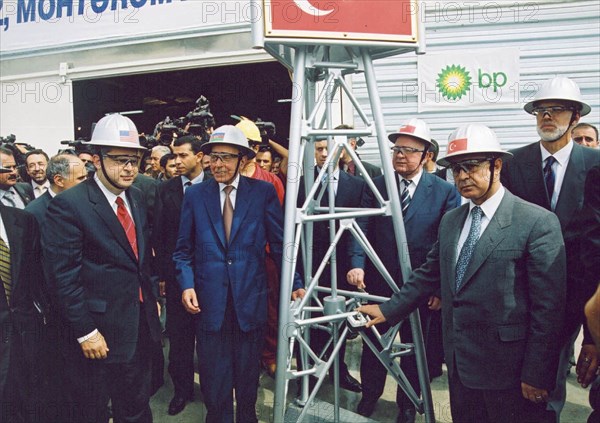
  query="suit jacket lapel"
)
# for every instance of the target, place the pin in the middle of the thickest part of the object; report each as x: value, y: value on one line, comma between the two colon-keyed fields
x: 449, y: 241
x: 213, y: 209
x: 139, y: 225
x: 176, y: 196
x: 14, y: 231
x: 242, y: 204
x: 421, y: 197
x: 491, y: 237
x: 533, y: 178
x: 342, y: 192
x: 572, y: 187
x: 108, y: 216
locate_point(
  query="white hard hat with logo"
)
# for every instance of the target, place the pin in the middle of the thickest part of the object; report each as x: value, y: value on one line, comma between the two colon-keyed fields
x: 472, y: 139
x: 559, y: 88
x: 116, y: 131
x: 249, y: 129
x: 229, y: 135
x: 416, y: 128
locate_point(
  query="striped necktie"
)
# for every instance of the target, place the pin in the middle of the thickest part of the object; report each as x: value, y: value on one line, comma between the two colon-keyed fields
x: 5, y: 272
x: 405, y: 196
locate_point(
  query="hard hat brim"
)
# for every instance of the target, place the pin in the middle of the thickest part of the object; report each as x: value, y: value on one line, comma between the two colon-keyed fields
x: 496, y: 153
x: 392, y: 137
x: 115, y: 144
x: 245, y: 151
x: 585, y: 108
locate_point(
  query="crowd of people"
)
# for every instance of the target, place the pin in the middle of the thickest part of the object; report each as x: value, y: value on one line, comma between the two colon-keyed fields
x: 99, y: 240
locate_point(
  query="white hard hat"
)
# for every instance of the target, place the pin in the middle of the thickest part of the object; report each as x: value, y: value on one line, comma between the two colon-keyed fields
x: 416, y: 128
x: 249, y: 129
x: 116, y: 131
x: 229, y: 135
x: 559, y: 88
x: 473, y: 138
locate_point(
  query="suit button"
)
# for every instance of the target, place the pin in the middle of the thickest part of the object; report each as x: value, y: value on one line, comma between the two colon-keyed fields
x: 229, y: 262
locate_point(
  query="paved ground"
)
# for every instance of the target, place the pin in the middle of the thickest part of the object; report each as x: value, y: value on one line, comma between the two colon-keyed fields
x: 576, y: 410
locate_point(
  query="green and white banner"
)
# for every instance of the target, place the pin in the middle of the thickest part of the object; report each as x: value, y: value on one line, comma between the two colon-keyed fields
x: 468, y: 79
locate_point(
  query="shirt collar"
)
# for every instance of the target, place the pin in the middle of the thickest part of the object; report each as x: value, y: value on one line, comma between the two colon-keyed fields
x: 35, y: 185
x: 415, y: 179
x: 561, y: 156
x: 490, y: 205
x: 235, y: 183
x: 51, y: 193
x: 109, y: 195
x: 196, y: 180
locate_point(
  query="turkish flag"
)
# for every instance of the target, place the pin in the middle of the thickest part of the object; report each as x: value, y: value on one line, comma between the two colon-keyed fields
x: 342, y: 18
x: 457, y: 145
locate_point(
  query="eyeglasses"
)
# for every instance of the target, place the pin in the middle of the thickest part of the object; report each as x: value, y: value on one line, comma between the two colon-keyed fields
x: 405, y: 150
x: 124, y: 160
x: 552, y: 110
x: 224, y: 157
x: 468, y: 166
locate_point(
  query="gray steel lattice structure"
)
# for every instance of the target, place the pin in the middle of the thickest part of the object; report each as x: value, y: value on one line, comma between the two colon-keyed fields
x: 312, y: 62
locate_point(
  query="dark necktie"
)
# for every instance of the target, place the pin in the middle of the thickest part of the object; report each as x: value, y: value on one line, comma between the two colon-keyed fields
x: 5, y: 272
x: 469, y: 246
x: 129, y: 228
x: 187, y: 185
x: 9, y: 199
x: 405, y: 196
x: 549, y: 177
x: 351, y: 168
x: 227, y: 212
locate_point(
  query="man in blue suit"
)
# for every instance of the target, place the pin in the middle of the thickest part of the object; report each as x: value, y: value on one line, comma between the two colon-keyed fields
x: 425, y: 199
x: 220, y: 262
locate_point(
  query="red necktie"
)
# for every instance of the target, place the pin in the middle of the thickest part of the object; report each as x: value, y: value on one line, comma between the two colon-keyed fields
x: 352, y: 168
x: 129, y: 228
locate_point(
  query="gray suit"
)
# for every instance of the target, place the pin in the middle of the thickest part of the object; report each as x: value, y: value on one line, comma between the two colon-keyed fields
x: 502, y: 326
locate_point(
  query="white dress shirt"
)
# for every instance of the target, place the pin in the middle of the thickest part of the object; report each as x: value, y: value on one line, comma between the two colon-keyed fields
x: 232, y: 194
x: 488, y: 207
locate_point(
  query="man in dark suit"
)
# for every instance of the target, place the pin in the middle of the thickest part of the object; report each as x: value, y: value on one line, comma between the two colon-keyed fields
x: 20, y: 322
x: 346, y: 190
x: 346, y: 163
x: 425, y: 199
x: 181, y: 326
x: 97, y: 260
x: 64, y: 171
x: 551, y: 173
x: 13, y: 193
x: 220, y: 257
x: 500, y: 264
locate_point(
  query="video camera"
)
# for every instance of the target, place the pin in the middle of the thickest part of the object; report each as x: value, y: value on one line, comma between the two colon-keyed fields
x: 201, y: 121
x: 167, y: 128
x: 267, y: 130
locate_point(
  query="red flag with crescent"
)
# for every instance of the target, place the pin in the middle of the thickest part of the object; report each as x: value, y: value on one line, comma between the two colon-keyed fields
x: 457, y: 145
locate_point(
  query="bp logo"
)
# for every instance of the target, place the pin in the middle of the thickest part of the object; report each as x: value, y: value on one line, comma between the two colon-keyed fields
x: 454, y: 81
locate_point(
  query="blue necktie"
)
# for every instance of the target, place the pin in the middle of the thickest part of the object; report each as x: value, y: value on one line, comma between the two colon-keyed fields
x: 549, y: 177
x: 469, y: 246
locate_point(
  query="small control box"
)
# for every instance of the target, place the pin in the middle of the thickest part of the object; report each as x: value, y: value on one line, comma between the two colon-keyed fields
x: 356, y: 321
